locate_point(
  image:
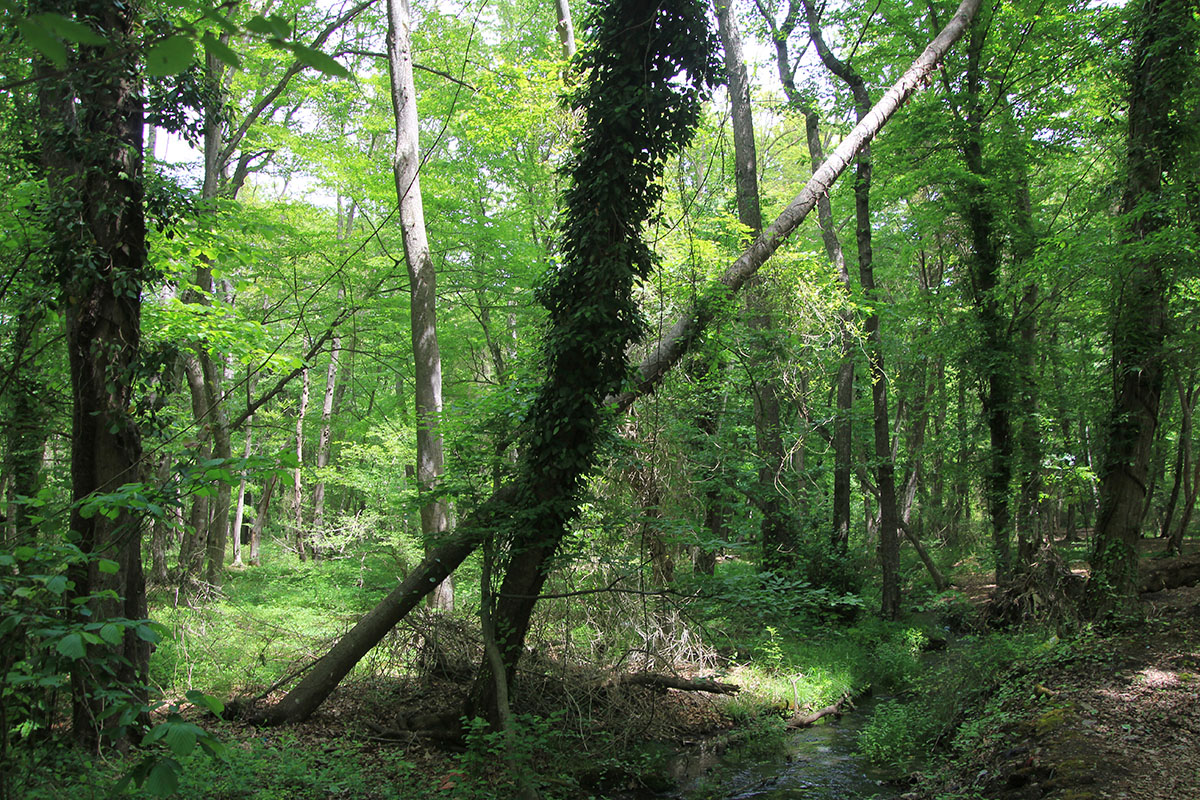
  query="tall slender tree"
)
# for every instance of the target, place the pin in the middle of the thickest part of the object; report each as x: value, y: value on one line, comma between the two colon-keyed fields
x: 427, y: 360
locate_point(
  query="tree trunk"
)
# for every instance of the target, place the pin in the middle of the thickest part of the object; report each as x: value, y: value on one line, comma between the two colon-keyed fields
x: 91, y: 146
x: 427, y: 362
x: 298, y: 537
x: 325, y: 439
x: 260, y: 521
x: 842, y: 425
x: 324, y: 677
x: 1183, y: 466
x: 777, y: 534
x: 1164, y: 43
x: 25, y: 431
x: 566, y: 29
x: 889, y: 519
x: 239, y: 513
x: 996, y: 358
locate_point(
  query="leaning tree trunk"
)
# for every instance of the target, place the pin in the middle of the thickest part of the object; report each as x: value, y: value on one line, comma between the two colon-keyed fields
x: 325, y: 675
x: 427, y: 361
x: 1165, y: 39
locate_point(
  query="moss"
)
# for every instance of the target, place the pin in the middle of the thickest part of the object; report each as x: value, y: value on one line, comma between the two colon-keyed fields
x: 1052, y: 721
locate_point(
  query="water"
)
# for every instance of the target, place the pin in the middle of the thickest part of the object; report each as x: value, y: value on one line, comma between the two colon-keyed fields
x: 820, y: 764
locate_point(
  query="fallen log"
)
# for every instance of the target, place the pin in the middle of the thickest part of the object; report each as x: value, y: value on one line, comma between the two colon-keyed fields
x: 806, y: 720
x: 1156, y: 575
x: 664, y: 682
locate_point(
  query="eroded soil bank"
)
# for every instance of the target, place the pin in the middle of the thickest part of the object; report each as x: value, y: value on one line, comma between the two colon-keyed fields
x: 1116, y: 717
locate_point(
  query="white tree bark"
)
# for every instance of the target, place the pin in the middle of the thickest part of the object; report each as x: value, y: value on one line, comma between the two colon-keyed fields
x: 435, y: 517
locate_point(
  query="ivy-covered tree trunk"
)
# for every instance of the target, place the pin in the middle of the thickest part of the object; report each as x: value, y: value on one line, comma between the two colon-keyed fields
x: 1165, y: 36
x: 640, y: 105
x: 91, y: 142
x: 995, y: 354
x: 502, y: 509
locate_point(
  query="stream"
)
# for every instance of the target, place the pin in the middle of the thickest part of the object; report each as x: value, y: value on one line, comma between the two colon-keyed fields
x: 820, y: 763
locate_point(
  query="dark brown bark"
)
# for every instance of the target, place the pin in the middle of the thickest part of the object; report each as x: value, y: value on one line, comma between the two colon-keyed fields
x: 1164, y: 46
x: 889, y: 518
x: 91, y: 142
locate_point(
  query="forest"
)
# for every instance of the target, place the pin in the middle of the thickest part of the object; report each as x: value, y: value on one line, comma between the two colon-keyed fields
x: 608, y: 399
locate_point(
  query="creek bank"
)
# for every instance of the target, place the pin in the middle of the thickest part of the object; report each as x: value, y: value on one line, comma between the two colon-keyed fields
x: 1114, y: 716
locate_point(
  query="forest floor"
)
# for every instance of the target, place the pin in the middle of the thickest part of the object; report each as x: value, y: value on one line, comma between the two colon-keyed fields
x: 1116, y: 718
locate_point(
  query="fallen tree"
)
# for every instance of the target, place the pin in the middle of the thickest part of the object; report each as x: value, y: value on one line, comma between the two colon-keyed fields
x: 325, y: 675
x: 1168, y: 573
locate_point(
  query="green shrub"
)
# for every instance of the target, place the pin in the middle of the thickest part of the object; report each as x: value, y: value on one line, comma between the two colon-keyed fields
x: 897, y: 734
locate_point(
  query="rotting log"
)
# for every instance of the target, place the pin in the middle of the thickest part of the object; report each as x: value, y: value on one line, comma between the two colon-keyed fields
x: 663, y: 682
x: 1169, y: 573
x: 325, y: 675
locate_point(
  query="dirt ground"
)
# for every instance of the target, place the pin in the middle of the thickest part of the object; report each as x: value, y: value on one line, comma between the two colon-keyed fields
x: 1119, y: 721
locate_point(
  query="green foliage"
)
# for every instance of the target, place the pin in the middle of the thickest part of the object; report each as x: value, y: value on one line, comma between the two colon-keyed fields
x: 964, y: 698
x: 46, y: 633
x: 898, y: 734
x: 47, y: 636
x: 747, y: 600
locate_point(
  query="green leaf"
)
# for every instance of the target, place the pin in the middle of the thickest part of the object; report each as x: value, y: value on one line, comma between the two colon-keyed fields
x: 181, y: 738
x: 322, y: 62
x: 70, y: 30
x: 220, y: 51
x: 208, y: 701
x: 57, y: 584
x: 44, y: 42
x: 275, y: 27
x: 170, y: 56
x: 24, y: 553
x: 71, y: 646
x: 152, y: 632
x: 108, y: 567
x: 164, y: 778
x: 112, y: 633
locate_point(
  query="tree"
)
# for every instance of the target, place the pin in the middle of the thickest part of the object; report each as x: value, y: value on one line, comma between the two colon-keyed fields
x: 889, y: 516
x: 499, y: 510
x: 91, y: 145
x: 777, y: 530
x: 435, y: 513
x: 1165, y: 37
